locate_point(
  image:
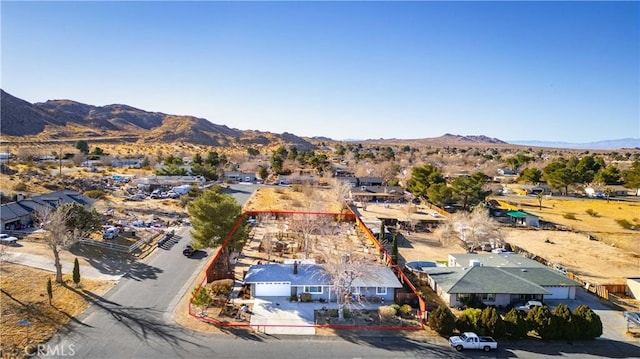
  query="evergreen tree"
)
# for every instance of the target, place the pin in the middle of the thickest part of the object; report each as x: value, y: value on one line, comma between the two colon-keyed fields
x: 76, y: 272
x: 442, y: 321
x: 544, y: 323
x: 568, y: 328
x: 49, y: 290
x: 516, y: 325
x: 201, y: 298
x: 394, y: 248
x: 588, y: 323
x: 492, y: 323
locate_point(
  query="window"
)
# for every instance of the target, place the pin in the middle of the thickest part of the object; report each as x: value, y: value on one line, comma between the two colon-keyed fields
x: 381, y: 290
x: 316, y: 289
x: 489, y: 297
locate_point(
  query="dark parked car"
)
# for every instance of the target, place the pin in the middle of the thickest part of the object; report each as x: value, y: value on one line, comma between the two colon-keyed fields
x: 188, y: 251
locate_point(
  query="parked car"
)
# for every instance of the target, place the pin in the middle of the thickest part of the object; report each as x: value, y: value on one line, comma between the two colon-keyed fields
x: 111, y: 233
x: 188, y: 250
x: 530, y: 305
x: 470, y: 340
x: 7, y: 239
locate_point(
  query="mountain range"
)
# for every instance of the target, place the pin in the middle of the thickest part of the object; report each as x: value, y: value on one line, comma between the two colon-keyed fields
x: 67, y: 120
x: 623, y: 143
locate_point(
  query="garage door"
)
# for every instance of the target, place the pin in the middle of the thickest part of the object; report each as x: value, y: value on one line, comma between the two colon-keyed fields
x: 276, y: 289
x: 557, y: 293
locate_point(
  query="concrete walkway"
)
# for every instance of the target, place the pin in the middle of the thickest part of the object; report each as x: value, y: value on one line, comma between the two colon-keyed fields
x: 46, y: 263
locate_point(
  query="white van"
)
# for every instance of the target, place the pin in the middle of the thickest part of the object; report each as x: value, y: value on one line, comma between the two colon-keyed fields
x: 111, y: 233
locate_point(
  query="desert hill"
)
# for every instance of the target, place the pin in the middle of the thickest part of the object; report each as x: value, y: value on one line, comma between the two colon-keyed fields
x: 67, y: 119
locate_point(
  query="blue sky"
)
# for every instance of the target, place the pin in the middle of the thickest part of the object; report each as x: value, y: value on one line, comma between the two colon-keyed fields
x: 513, y: 70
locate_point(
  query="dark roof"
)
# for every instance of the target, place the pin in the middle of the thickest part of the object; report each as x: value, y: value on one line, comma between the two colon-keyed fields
x: 12, y: 211
x: 545, y: 277
x: 60, y: 197
x: 482, y: 280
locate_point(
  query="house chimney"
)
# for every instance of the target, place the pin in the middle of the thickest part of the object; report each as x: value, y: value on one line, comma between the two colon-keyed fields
x: 19, y: 197
x: 295, y: 267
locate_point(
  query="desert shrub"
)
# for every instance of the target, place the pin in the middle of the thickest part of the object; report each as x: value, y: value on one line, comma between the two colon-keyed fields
x: 569, y: 215
x: 442, y: 321
x: 588, y: 323
x: 293, y: 298
x: 278, y: 190
x: 625, y: 224
x: 306, y: 297
x: 396, y: 307
x: 387, y: 312
x: 296, y: 203
x: 516, y: 325
x: 51, y: 186
x: 591, y: 212
x: 406, y: 309
x: 20, y: 186
x: 221, y: 287
x: 347, y: 314
x: 95, y: 193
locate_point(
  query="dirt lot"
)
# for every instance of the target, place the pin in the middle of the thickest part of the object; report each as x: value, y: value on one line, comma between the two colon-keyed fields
x: 24, y: 297
x: 594, y: 261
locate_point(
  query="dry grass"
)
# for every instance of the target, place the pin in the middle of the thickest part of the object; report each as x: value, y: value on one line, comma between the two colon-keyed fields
x: 24, y: 297
x: 603, y: 226
x: 291, y: 199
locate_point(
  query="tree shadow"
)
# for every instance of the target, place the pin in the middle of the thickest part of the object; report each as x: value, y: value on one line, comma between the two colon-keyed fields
x: 397, y: 342
x: 32, y: 310
x: 112, y: 263
x: 141, y: 322
x: 603, y: 348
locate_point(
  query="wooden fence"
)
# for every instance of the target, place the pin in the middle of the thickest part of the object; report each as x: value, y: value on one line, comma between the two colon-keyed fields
x: 119, y: 247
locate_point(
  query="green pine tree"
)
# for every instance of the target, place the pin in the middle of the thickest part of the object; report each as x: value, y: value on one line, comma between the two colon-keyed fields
x: 49, y: 290
x: 442, y: 321
x: 76, y: 273
x: 201, y: 298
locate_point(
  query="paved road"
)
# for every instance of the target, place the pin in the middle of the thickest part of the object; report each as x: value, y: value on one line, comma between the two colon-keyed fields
x: 133, y: 321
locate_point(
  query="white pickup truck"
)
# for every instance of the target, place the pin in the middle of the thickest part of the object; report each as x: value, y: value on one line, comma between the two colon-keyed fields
x: 470, y: 340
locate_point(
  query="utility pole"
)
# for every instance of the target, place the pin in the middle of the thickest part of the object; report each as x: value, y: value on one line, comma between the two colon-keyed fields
x: 60, y: 161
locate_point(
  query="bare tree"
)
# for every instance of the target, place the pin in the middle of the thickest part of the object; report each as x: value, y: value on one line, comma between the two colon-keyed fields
x: 267, y: 245
x: 57, y: 233
x: 340, y: 191
x: 470, y: 229
x: 344, y: 269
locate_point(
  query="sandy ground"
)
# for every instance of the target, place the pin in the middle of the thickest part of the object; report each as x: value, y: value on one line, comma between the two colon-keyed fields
x: 593, y: 261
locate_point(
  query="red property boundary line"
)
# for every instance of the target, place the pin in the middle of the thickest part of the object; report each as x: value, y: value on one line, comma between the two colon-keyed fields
x: 403, y: 278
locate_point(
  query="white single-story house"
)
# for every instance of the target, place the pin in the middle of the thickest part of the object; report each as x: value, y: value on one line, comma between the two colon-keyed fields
x: 236, y: 176
x: 498, y: 279
x: 127, y: 162
x: 285, y: 280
